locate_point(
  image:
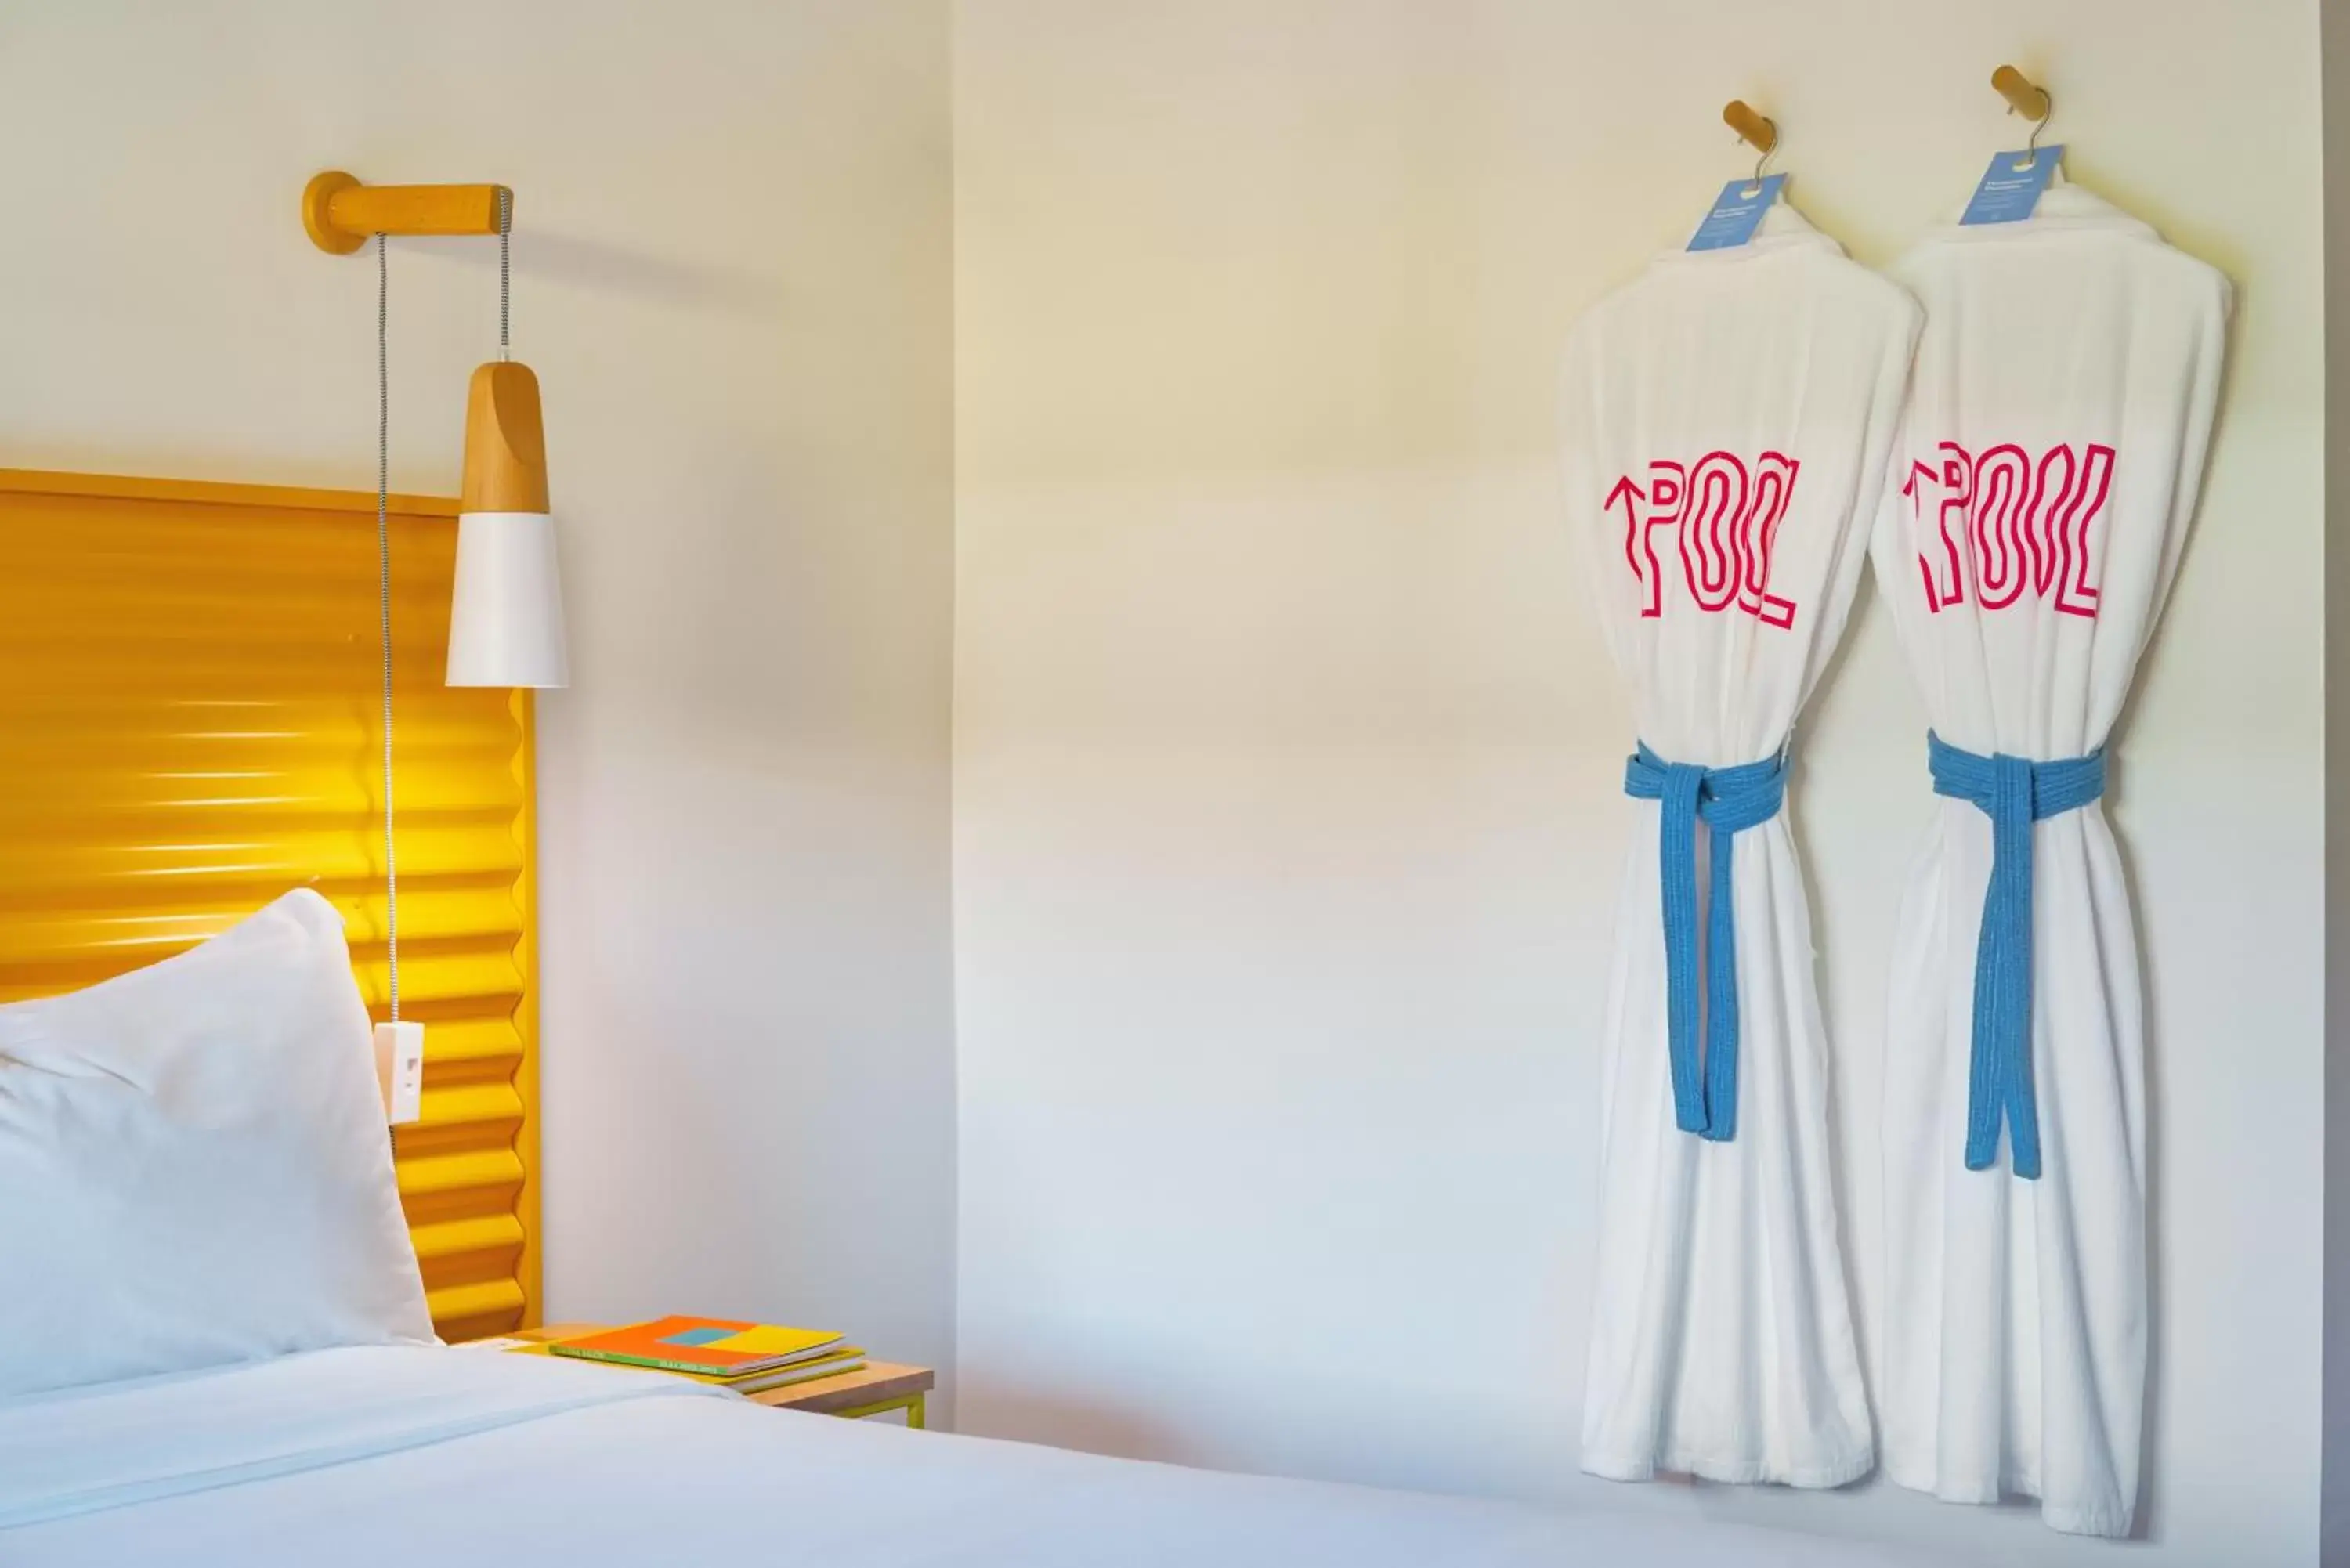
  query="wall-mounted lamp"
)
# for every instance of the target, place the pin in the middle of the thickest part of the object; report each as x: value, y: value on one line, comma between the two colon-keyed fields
x: 505, y: 617
x: 505, y: 611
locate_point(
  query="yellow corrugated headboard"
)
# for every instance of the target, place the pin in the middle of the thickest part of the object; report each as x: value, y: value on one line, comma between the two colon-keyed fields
x: 189, y: 724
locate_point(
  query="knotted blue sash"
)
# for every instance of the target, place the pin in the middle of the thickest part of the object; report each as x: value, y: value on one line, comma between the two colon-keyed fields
x: 1730, y: 800
x: 2014, y: 793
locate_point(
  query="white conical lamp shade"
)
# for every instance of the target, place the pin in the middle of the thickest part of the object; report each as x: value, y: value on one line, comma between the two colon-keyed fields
x: 505, y: 611
x: 506, y: 614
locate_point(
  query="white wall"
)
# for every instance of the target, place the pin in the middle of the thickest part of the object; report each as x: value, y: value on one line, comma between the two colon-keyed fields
x: 732, y: 271
x: 1287, y: 825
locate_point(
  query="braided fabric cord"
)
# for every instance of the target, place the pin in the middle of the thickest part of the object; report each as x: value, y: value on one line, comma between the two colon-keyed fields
x: 2014, y: 793
x: 1728, y: 801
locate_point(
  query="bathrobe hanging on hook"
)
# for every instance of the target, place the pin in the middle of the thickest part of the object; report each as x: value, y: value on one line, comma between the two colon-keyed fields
x: 1726, y: 422
x: 2033, y: 517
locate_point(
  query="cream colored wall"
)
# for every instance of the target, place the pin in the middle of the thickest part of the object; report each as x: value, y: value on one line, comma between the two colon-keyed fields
x: 732, y: 271
x: 1287, y: 762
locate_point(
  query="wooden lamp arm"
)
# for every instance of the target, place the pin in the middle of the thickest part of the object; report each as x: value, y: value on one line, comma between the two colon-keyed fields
x: 341, y: 214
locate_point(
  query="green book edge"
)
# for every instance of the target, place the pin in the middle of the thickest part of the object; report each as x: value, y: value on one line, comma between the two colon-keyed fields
x: 661, y: 1364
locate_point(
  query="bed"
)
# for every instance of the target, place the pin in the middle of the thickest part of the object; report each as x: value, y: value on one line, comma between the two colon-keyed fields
x: 409, y: 1455
x: 217, y: 1348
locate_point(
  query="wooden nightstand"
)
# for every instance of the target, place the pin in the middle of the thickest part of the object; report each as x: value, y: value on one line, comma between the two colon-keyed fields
x: 873, y: 1389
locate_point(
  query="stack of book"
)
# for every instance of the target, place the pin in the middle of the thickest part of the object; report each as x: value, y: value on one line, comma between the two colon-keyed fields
x: 745, y: 1356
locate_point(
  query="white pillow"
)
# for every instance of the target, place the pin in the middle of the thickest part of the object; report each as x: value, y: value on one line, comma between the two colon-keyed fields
x: 194, y: 1167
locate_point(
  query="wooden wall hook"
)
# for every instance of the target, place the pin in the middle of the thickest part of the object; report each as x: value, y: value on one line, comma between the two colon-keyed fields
x: 1753, y: 129
x: 2025, y: 98
x: 341, y: 214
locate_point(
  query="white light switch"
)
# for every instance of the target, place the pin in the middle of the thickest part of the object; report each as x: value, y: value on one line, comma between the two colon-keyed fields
x: 399, y: 1070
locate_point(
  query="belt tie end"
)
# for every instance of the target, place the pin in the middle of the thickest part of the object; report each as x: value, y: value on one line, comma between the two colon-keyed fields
x: 2014, y: 793
x: 1728, y: 801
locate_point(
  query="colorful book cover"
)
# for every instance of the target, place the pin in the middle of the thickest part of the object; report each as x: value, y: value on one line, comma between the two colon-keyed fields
x: 708, y: 1347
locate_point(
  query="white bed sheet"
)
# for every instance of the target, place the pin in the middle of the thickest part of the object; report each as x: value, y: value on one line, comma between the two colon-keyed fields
x: 349, y: 1459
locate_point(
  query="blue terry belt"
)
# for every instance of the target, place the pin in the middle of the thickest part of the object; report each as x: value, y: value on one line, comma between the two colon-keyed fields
x: 1730, y: 800
x: 2014, y: 793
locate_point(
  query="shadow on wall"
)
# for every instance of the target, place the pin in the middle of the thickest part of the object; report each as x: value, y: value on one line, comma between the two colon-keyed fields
x: 1021, y: 1415
x: 635, y: 273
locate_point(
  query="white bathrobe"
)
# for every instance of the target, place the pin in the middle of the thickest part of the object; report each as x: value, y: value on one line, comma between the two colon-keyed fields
x: 2034, y: 515
x: 1727, y: 419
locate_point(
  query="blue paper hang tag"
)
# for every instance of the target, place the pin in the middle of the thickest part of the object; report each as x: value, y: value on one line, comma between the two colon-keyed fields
x: 2012, y: 185
x: 1737, y: 213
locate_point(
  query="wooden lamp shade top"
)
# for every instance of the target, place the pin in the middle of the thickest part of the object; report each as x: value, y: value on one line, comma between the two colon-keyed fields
x: 506, y: 441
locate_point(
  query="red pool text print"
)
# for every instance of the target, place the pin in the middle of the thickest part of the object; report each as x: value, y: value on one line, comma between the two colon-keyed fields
x: 1996, y: 522
x: 1724, y: 513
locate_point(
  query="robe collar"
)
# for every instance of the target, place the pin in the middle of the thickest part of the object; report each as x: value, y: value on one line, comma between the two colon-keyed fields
x: 2063, y: 208
x: 1782, y: 229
